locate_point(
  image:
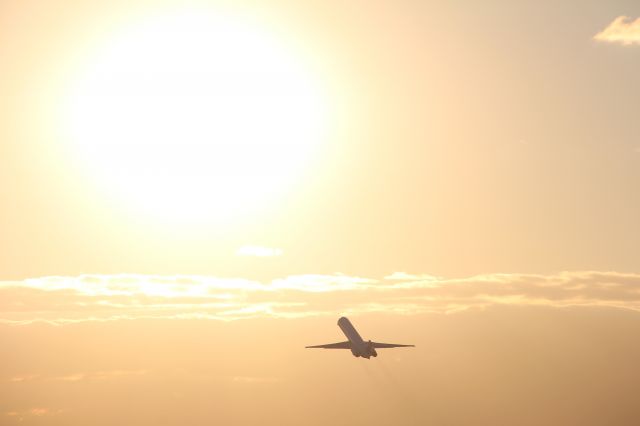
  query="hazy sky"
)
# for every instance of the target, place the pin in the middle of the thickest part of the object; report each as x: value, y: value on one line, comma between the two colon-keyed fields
x: 191, y: 192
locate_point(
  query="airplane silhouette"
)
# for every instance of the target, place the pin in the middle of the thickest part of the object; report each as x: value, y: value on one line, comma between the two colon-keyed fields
x: 358, y: 347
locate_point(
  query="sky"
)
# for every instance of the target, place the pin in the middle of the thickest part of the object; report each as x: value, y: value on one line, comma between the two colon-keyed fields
x: 191, y: 192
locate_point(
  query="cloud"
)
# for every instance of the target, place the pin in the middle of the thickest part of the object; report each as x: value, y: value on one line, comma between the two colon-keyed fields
x: 322, y: 283
x: 99, y: 375
x: 258, y: 251
x: 403, y: 276
x: 39, y: 412
x: 81, y: 376
x: 67, y: 300
x: 622, y: 30
x: 33, y: 412
x: 23, y: 378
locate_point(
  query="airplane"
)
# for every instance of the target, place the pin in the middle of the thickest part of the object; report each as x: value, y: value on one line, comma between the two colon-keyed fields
x: 358, y: 347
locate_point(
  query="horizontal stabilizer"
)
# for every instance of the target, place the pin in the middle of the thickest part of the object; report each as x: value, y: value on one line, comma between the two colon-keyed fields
x: 341, y: 345
x: 389, y: 345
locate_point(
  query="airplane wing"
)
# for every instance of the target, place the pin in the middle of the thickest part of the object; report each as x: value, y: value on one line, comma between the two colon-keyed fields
x: 389, y: 345
x: 341, y: 345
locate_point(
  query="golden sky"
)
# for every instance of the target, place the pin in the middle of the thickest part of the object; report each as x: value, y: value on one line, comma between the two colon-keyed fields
x: 194, y: 191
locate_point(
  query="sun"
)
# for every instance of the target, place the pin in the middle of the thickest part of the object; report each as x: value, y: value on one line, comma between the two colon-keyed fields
x: 195, y: 117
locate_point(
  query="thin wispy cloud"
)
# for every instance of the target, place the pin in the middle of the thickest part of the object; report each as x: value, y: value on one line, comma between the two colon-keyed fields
x: 32, y: 412
x: 23, y: 378
x: 99, y: 375
x: 258, y: 251
x: 89, y: 376
x: 65, y: 300
x: 403, y: 276
x: 622, y: 30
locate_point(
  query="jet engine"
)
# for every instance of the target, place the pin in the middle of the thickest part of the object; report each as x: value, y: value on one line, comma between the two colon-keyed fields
x: 372, y: 350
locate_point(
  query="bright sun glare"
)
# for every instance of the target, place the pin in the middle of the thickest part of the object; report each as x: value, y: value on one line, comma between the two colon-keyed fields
x: 195, y: 117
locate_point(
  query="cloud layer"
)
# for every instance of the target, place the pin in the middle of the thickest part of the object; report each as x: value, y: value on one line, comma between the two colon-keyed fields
x: 622, y: 30
x: 59, y: 300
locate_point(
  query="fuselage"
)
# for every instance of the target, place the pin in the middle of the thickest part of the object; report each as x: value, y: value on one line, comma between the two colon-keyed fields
x: 358, y: 346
